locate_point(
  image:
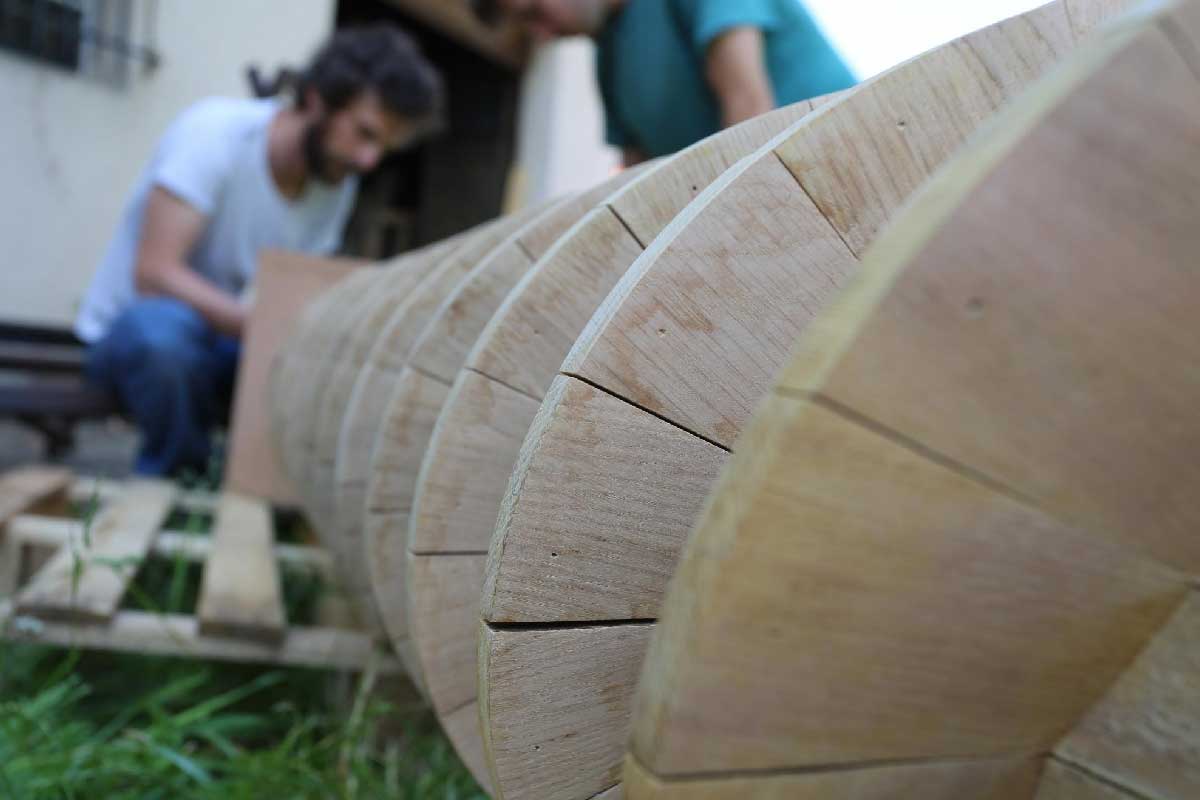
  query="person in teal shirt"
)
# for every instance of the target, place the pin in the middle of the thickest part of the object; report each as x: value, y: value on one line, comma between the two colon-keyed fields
x: 672, y: 72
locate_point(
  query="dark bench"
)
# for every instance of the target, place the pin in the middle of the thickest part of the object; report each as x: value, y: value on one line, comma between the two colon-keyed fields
x: 42, y: 384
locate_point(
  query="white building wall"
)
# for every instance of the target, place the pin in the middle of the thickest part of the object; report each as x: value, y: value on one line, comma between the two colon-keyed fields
x: 71, y: 148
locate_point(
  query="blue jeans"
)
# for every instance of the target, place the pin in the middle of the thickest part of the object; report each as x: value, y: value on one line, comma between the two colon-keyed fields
x: 174, y: 374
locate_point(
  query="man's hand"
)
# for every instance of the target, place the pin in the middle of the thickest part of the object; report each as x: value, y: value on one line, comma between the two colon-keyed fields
x: 737, y: 72
x: 632, y: 156
x: 170, y: 228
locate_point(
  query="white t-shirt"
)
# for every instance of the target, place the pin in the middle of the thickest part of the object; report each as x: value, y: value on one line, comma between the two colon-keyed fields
x: 214, y: 157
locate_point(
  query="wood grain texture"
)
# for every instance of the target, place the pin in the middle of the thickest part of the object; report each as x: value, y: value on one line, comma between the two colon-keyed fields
x: 447, y: 343
x: 340, y: 326
x: 556, y: 710
x: 413, y: 409
x: 415, y: 406
x: 1087, y: 15
x: 938, y: 618
x: 337, y: 383
x: 462, y: 728
x: 444, y: 624
x: 698, y: 327
x: 540, y: 239
x: 649, y: 205
x: 465, y: 471
x: 438, y: 351
x: 88, y: 583
x: 240, y: 593
x: 374, y: 385
x: 437, y: 357
x: 478, y: 436
x: 567, y: 552
x: 1145, y: 733
x: 998, y: 779
x: 908, y: 598
x: 400, y: 278
x: 710, y: 346
x: 525, y: 342
x: 454, y: 327
x: 305, y: 353
x: 911, y: 119
x: 530, y: 334
x: 1061, y: 782
x: 1041, y: 250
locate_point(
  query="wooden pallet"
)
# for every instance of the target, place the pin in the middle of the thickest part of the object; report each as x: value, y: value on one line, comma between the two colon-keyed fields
x: 62, y: 583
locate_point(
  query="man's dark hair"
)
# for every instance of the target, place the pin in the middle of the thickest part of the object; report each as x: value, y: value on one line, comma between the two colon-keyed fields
x: 488, y: 11
x: 381, y: 58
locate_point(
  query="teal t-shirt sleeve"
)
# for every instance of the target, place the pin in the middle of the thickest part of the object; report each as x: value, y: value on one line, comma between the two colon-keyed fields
x: 614, y: 132
x: 710, y: 18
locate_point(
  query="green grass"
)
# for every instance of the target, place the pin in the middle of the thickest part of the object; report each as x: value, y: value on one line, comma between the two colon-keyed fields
x: 117, y: 726
x: 130, y: 727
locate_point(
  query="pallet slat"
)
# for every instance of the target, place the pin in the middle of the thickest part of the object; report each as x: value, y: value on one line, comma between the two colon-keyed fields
x: 24, y: 488
x: 179, y: 635
x: 87, y: 584
x: 104, y: 490
x: 241, y: 594
x: 54, y: 532
x: 21, y: 490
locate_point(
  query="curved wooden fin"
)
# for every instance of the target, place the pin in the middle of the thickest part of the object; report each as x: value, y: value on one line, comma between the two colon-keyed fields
x: 689, y: 339
x: 957, y: 528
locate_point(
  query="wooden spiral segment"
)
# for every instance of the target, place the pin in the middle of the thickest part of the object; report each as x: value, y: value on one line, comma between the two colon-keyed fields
x: 302, y: 372
x: 955, y: 554
x: 311, y: 351
x: 632, y: 434
x: 478, y: 433
x: 366, y: 419
x: 362, y: 329
x: 304, y: 351
x: 359, y: 326
x: 422, y: 385
x: 293, y: 375
x: 377, y: 294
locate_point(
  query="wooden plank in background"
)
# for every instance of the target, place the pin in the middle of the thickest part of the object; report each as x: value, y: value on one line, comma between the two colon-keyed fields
x: 241, y: 593
x: 286, y: 282
x: 88, y: 583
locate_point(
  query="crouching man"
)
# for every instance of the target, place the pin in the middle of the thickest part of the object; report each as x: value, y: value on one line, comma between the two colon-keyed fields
x: 230, y: 178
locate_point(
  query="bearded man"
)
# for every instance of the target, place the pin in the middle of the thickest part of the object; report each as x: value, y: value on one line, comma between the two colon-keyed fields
x: 230, y: 178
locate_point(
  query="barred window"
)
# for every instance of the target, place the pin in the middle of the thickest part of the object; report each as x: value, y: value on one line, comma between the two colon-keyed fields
x: 106, y: 40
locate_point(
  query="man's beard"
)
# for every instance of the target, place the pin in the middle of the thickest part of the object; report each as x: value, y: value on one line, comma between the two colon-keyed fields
x: 320, y: 165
